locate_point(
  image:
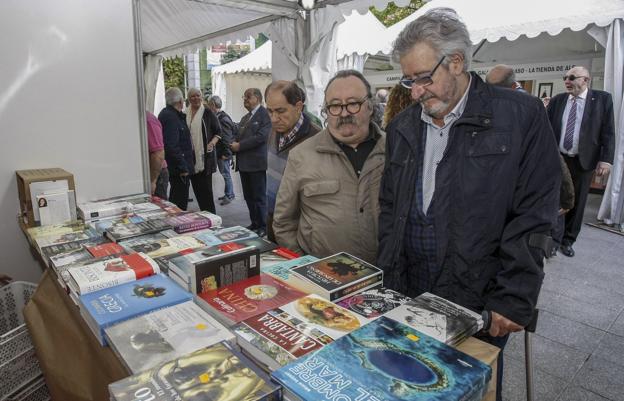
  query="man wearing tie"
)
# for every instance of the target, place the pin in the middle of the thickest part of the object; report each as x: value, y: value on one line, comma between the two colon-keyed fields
x: 251, y: 157
x: 582, y: 121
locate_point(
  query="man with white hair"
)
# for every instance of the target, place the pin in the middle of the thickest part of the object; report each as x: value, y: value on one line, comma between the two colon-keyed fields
x: 470, y: 183
x: 178, y: 146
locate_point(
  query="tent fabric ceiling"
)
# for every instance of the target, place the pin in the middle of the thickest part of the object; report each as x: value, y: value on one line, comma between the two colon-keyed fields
x: 492, y: 20
x: 177, y: 27
x: 361, y: 34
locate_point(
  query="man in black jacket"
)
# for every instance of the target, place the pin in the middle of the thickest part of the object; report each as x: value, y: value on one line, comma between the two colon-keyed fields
x: 224, y: 153
x: 251, y: 157
x: 470, y: 183
x: 582, y: 122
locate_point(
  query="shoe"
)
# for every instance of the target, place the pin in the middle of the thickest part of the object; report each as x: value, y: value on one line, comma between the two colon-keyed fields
x: 553, y: 252
x: 225, y: 201
x: 567, y: 250
x: 261, y: 232
x: 251, y: 227
x: 221, y: 197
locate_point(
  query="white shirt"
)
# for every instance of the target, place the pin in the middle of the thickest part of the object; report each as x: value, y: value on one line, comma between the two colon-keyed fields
x: 580, y: 108
x: 437, y: 140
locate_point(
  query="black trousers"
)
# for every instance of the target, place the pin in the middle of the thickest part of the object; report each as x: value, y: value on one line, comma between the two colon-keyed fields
x: 254, y: 191
x: 202, y: 187
x: 582, y: 181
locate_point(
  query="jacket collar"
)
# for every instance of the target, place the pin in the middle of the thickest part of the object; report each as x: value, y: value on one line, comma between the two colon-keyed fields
x: 178, y: 112
x: 327, y: 144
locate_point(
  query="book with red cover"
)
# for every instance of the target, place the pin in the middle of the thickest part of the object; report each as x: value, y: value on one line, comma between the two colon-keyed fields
x: 246, y: 298
x: 106, y: 249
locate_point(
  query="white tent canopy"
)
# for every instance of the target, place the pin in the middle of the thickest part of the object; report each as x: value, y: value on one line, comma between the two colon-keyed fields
x: 523, y: 34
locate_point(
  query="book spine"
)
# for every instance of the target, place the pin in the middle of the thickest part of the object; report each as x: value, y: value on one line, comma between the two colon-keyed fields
x: 356, y: 287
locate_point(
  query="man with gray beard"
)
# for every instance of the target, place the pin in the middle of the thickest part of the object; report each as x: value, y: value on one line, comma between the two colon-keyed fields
x: 327, y: 201
x: 470, y: 184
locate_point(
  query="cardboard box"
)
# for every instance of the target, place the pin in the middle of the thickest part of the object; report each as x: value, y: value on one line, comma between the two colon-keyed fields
x: 26, y: 177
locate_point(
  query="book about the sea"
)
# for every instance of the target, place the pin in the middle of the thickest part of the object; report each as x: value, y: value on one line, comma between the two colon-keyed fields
x: 241, y: 300
x: 337, y: 276
x: 216, y: 373
x: 163, y: 335
x: 374, y: 302
x: 439, y: 318
x: 112, y: 272
x: 385, y: 360
x: 104, y: 308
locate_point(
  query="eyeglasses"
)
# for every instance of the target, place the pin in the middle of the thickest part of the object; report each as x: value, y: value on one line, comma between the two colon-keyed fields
x: 423, y: 80
x: 352, y: 107
x: 572, y: 77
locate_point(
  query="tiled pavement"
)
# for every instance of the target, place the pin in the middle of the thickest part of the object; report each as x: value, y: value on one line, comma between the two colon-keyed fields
x: 578, y: 348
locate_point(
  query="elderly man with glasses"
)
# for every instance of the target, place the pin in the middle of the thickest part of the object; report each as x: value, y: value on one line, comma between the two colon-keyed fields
x: 328, y: 198
x: 583, y: 125
x: 470, y: 183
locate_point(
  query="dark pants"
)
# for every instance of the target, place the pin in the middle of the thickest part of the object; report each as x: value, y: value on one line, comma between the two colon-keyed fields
x: 499, y: 342
x: 582, y: 181
x: 254, y: 191
x: 202, y: 186
x: 162, y: 183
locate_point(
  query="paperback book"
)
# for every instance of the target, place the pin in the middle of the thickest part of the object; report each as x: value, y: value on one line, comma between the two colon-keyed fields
x: 163, y: 335
x: 277, y: 256
x: 157, y: 247
x: 239, y: 301
x: 112, y: 272
x: 203, y: 271
x: 282, y: 270
x: 374, y: 302
x: 104, y: 308
x: 439, y: 318
x: 216, y: 373
x: 185, y: 222
x: 337, y: 277
x: 35, y: 233
x: 280, y: 335
x: 215, y: 237
x: 385, y: 360
x: 48, y: 252
x: 124, y: 230
x: 58, y: 239
x: 97, y: 210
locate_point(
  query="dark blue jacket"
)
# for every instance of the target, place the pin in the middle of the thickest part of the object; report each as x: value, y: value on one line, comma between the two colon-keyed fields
x: 253, y: 137
x: 178, y: 145
x: 497, y: 186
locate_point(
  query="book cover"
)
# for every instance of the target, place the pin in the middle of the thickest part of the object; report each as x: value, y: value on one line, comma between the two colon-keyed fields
x: 338, y: 276
x: 276, y: 256
x: 71, y: 257
x: 108, y: 273
x: 97, y: 210
x: 385, y: 360
x: 163, y: 335
x: 374, y: 302
x: 282, y: 270
x: 57, y: 207
x: 155, y: 248
x: 123, y: 230
x: 235, y: 233
x: 205, y: 271
x: 72, y: 236
x: 109, y: 306
x: 246, y: 298
x: 50, y: 251
x: 193, y: 221
x: 283, y: 334
x: 54, y: 230
x: 105, y: 249
x: 438, y: 317
x: 216, y: 373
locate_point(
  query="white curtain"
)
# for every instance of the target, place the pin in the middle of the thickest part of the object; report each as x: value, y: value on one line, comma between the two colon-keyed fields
x: 152, y: 66
x: 612, y: 206
x: 219, y: 87
x: 352, y: 62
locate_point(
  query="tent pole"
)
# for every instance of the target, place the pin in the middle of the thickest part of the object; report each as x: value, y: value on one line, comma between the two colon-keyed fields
x: 136, y: 13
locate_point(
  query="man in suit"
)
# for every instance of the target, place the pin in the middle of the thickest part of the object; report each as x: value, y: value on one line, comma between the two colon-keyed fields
x: 583, y: 124
x: 251, y: 157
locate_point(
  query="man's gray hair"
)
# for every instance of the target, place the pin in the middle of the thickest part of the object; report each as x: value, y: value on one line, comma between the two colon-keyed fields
x: 441, y: 29
x: 173, y: 96
x: 191, y: 91
x: 216, y: 101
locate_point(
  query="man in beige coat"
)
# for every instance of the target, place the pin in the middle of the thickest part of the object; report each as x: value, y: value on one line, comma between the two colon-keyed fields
x: 328, y: 198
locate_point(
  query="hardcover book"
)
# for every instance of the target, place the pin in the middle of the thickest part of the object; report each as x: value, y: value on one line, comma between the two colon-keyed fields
x: 385, y: 360
x: 108, y: 273
x: 374, y: 302
x: 104, y: 308
x: 194, y: 221
x: 155, y: 248
x: 282, y: 271
x: 236, y: 302
x: 278, y: 336
x: 48, y: 252
x: 337, y: 277
x: 216, y: 373
x: 163, y: 335
x: 105, y: 249
x: 439, y: 318
x: 58, y: 239
x: 54, y: 230
x: 119, y: 231
x: 204, y: 271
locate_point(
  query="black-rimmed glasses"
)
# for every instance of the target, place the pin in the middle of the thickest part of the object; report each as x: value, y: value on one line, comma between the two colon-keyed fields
x: 351, y: 107
x: 423, y: 80
x: 572, y: 77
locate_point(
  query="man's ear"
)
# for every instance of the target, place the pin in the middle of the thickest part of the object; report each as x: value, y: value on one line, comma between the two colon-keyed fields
x: 456, y: 64
x: 299, y: 106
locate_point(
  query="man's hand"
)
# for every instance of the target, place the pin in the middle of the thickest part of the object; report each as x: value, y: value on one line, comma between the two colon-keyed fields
x: 502, y: 326
x: 603, y: 169
x: 563, y: 211
x: 235, y: 146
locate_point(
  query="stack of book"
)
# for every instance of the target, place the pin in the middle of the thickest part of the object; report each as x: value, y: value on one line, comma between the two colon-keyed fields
x: 374, y: 302
x: 194, y: 221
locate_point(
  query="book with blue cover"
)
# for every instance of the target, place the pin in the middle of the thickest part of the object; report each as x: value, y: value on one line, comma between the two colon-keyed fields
x: 385, y: 360
x: 110, y: 306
